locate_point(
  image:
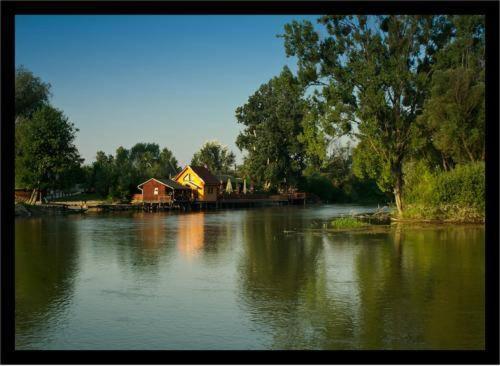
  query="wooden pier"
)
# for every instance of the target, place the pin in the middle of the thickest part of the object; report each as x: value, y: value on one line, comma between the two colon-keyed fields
x: 225, y: 202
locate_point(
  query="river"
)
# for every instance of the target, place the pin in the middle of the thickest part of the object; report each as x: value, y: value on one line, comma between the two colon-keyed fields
x: 263, y: 278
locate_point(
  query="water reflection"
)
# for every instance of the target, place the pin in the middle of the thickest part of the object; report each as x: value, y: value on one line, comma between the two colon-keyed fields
x: 46, y: 259
x: 191, y: 234
x: 246, y: 279
x: 408, y: 288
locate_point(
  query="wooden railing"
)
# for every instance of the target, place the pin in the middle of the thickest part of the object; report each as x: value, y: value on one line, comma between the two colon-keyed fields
x: 154, y: 198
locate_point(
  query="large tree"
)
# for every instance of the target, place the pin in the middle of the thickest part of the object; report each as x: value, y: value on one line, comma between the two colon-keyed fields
x: 370, y: 77
x: 216, y: 157
x: 168, y: 166
x: 273, y: 121
x: 454, y: 113
x: 47, y: 151
x: 31, y: 93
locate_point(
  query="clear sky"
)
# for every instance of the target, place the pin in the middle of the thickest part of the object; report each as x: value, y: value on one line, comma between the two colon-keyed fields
x: 173, y: 80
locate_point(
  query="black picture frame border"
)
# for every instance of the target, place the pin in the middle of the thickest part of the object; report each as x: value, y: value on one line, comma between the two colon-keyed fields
x: 11, y: 8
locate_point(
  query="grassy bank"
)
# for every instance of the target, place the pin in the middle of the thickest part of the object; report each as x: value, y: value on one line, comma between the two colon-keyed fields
x: 347, y: 223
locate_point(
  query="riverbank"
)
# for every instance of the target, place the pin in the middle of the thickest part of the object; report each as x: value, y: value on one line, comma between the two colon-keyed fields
x: 458, y: 214
x: 385, y: 215
x: 25, y: 210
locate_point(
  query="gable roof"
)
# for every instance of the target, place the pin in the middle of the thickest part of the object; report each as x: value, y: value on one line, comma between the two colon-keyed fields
x: 205, y: 174
x: 166, y: 182
x: 202, y: 172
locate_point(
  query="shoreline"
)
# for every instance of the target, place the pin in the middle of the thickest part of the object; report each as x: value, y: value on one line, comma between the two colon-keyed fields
x: 62, y: 209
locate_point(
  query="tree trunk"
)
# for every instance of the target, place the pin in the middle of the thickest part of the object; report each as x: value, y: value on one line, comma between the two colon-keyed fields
x: 398, y: 187
x: 445, y: 163
x: 32, y: 197
x: 397, y: 197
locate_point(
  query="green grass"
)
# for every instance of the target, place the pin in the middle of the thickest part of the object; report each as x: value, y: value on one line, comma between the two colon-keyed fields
x: 347, y: 223
x: 443, y: 212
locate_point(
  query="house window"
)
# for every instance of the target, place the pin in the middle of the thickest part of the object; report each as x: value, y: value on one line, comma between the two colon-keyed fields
x: 155, y: 191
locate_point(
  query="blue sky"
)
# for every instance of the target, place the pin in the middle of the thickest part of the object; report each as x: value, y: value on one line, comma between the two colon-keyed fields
x: 173, y: 80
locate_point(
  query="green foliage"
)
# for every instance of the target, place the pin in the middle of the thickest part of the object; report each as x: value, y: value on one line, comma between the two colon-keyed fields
x: 372, y: 82
x: 321, y: 186
x: 348, y: 190
x: 47, y: 156
x: 31, y: 93
x: 453, y: 114
x: 458, y: 193
x: 273, y: 119
x: 347, y: 223
x: 216, y: 157
x: 117, y: 177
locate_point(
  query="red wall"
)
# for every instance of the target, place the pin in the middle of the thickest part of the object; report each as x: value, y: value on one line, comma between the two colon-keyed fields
x: 148, y: 189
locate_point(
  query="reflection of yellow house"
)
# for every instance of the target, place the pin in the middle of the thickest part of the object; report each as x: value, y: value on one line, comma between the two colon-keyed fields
x: 191, y: 234
x: 203, y: 183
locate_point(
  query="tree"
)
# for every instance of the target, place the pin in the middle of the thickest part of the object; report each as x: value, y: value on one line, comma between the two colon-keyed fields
x: 369, y: 77
x: 216, y: 157
x: 47, y: 151
x: 273, y: 119
x: 102, y: 176
x: 454, y: 113
x: 122, y: 175
x: 31, y: 93
x: 168, y: 166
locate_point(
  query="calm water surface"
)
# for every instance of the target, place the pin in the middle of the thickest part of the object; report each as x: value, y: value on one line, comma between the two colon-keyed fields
x: 246, y: 279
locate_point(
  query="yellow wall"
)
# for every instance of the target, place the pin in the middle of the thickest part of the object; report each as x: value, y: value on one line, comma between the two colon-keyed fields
x: 190, y: 178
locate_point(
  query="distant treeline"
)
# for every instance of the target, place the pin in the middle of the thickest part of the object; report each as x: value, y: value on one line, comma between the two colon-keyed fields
x: 378, y: 103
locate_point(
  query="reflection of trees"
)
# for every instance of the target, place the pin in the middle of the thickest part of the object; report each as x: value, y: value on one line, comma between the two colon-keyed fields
x: 429, y: 294
x: 280, y: 274
x: 146, y: 242
x: 404, y: 288
x: 46, y: 257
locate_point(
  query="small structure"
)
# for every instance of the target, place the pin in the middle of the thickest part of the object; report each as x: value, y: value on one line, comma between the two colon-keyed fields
x: 163, y: 191
x: 229, y: 186
x: 201, y: 181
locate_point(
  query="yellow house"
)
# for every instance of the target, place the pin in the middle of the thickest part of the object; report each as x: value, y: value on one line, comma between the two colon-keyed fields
x: 204, y: 184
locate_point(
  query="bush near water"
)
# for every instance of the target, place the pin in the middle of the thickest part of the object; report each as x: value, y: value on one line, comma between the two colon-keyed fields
x: 457, y: 194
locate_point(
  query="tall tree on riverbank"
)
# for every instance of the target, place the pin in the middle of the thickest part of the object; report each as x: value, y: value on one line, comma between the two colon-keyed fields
x: 273, y: 119
x: 216, y: 157
x: 31, y: 93
x: 454, y: 113
x: 370, y: 77
x: 47, y: 150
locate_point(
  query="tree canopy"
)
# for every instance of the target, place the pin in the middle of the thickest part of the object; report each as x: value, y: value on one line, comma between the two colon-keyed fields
x: 118, y: 176
x: 216, y: 157
x: 48, y: 153
x: 273, y: 119
x: 453, y: 115
x: 370, y: 77
x: 31, y: 93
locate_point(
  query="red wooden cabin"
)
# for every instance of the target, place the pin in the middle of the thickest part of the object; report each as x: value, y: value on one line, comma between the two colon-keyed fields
x: 163, y: 191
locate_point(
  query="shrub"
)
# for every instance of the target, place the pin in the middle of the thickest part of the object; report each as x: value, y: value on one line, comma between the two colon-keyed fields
x: 463, y: 186
x: 457, y: 194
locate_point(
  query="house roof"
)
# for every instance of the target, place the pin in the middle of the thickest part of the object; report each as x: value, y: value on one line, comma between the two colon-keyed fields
x: 166, y: 182
x: 205, y: 175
